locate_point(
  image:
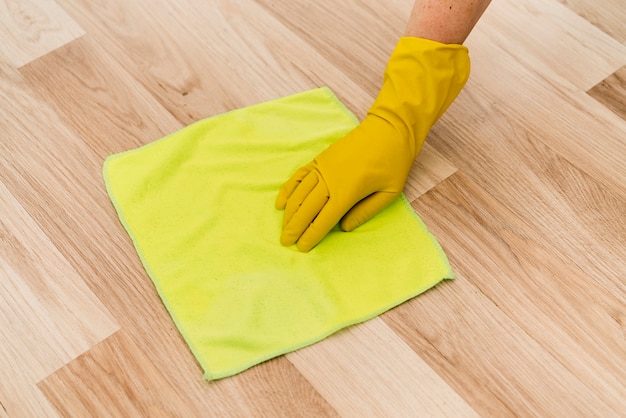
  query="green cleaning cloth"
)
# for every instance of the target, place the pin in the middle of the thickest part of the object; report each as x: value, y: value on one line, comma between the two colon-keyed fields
x: 199, y: 207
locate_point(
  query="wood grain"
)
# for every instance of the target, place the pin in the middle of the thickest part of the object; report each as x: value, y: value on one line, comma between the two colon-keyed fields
x: 429, y: 169
x: 47, y: 314
x: 545, y: 105
x: 522, y: 181
x: 30, y: 29
x: 115, y: 378
x: 551, y: 40
x: 371, y: 352
x: 338, y: 31
x: 520, y: 170
x: 118, y: 378
x: 508, y: 269
x: 98, y: 99
x: 611, y: 92
x: 608, y: 15
x: 200, y: 59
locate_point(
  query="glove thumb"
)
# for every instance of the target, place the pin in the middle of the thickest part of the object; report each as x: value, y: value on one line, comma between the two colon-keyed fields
x: 366, y: 209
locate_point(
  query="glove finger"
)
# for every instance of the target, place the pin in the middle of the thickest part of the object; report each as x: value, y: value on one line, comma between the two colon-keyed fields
x: 299, y: 195
x: 305, y: 214
x: 321, y: 225
x: 366, y: 209
x: 290, y: 185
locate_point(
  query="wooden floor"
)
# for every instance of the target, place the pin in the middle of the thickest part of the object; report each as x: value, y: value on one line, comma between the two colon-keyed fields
x: 523, y: 181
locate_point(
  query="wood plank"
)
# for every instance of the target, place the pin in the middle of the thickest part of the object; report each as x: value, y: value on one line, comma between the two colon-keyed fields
x: 200, y: 59
x: 115, y: 379
x: 273, y: 388
x: 338, y: 30
x: 109, y: 110
x: 545, y: 106
x: 525, y: 284
x: 608, y: 15
x: 430, y: 168
x: 344, y: 367
x: 57, y: 178
x: 118, y: 378
x: 550, y: 39
x: 575, y: 208
x: 493, y: 365
x: 611, y: 92
x: 533, y: 122
x: 48, y: 316
x: 60, y: 312
x: 30, y: 29
x: 20, y: 397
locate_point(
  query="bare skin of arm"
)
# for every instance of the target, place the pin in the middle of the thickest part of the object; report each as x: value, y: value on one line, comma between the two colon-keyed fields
x: 445, y: 21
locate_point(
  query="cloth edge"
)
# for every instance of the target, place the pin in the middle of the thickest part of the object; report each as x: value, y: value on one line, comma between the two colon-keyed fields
x: 450, y: 275
x: 216, y: 376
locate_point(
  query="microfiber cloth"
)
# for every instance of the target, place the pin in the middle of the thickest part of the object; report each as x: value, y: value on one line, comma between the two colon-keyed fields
x: 199, y: 207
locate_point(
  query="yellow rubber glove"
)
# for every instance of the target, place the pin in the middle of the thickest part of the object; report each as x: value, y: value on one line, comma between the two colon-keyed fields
x: 363, y: 172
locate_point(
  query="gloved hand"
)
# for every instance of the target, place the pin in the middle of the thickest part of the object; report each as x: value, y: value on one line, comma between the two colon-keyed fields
x: 363, y: 172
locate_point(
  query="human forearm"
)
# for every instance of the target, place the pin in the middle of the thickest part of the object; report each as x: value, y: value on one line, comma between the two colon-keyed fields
x: 445, y: 21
